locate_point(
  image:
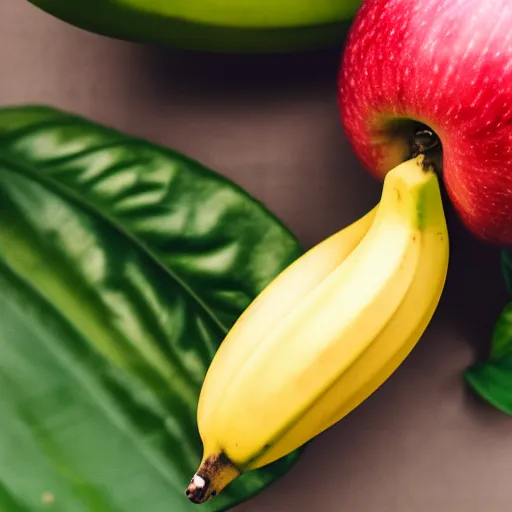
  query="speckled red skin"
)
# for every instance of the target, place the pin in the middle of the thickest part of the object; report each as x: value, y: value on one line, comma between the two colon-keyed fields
x: 447, y: 64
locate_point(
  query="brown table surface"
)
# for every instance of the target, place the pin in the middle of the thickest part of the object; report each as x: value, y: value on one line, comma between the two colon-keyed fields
x: 422, y: 442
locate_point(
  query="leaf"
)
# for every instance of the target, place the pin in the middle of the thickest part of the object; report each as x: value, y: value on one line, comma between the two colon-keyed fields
x: 501, y: 345
x: 492, y: 379
x: 506, y: 265
x: 122, y: 266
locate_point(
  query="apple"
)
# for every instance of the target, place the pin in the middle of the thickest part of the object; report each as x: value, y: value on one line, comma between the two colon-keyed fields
x: 212, y: 25
x: 409, y: 66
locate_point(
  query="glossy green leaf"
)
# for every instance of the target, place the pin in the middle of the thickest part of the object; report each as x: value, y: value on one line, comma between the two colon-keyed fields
x: 122, y: 266
x: 492, y: 378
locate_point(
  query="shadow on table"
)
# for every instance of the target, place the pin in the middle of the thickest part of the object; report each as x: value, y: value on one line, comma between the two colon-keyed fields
x: 475, y: 292
x: 233, y: 75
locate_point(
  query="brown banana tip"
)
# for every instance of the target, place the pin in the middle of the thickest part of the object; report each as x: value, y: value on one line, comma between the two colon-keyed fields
x: 197, y: 490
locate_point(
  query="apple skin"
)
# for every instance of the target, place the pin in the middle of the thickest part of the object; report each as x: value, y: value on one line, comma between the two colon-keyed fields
x: 232, y: 26
x: 446, y: 64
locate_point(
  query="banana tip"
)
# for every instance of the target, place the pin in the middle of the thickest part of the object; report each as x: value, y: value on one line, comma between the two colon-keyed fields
x: 197, y: 490
x: 213, y: 475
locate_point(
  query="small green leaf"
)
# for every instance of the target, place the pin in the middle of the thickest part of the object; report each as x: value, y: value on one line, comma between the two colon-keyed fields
x: 506, y: 265
x: 492, y: 379
x: 501, y: 345
x: 122, y: 266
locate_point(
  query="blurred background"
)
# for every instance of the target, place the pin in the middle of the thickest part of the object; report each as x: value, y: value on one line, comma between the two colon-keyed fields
x: 271, y: 124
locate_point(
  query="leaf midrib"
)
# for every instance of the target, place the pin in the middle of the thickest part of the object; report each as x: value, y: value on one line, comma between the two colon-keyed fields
x: 27, y: 169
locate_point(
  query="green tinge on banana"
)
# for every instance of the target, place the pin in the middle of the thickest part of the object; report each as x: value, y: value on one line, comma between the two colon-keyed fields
x: 326, y: 333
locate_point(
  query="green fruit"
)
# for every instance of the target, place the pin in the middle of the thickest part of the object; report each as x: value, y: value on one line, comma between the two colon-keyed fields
x: 213, y: 25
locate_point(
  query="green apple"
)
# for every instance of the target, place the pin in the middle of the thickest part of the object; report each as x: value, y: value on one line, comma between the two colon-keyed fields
x: 212, y: 25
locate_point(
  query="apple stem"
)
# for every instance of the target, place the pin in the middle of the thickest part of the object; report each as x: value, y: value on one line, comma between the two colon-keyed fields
x: 425, y: 142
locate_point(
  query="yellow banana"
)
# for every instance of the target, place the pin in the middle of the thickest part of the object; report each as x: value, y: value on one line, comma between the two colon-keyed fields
x: 273, y: 303
x: 326, y: 333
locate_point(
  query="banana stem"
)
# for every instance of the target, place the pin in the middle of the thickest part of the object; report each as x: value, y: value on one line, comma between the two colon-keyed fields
x: 213, y: 475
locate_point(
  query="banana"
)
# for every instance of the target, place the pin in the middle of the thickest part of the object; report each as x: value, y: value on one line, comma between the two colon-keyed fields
x: 274, y: 303
x: 326, y: 333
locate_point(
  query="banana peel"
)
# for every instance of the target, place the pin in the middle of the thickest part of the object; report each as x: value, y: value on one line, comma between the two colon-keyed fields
x: 326, y: 333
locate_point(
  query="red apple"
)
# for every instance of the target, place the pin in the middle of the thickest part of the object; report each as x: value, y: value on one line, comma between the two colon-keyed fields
x: 446, y: 64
